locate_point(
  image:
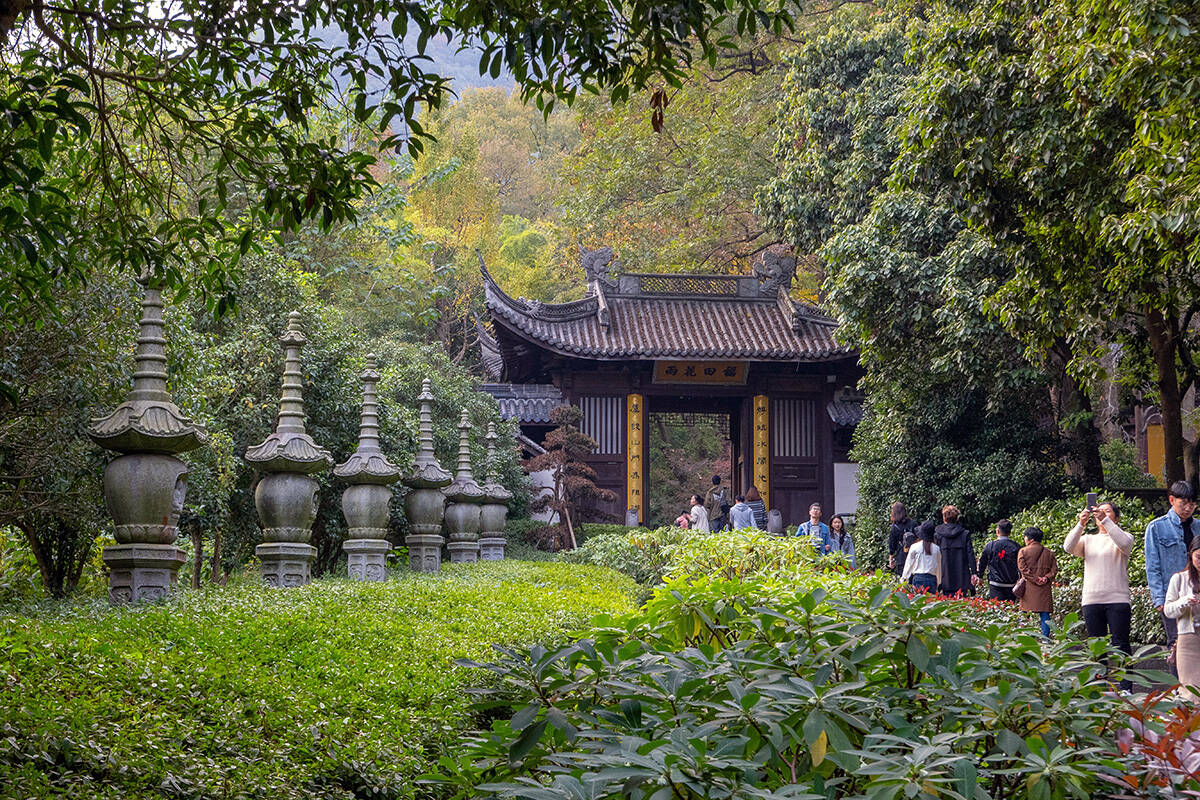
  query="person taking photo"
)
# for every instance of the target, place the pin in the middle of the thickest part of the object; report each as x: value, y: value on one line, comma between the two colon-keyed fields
x: 1105, y: 553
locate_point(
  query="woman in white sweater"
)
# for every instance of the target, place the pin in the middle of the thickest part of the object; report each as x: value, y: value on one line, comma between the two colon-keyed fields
x: 1183, y: 605
x: 923, y: 566
x: 699, y: 517
x: 1105, y: 554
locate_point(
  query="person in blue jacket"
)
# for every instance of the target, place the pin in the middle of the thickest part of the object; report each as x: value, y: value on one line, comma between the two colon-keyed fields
x: 1167, y: 541
x: 817, y: 529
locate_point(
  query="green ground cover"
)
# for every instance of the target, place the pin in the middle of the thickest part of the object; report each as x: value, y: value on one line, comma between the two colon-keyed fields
x: 334, y: 690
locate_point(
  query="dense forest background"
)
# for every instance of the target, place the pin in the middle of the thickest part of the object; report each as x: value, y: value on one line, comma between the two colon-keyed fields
x: 998, y: 214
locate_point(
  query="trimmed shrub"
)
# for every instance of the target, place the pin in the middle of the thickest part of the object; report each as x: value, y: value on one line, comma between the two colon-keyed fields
x: 651, y: 556
x: 589, y: 529
x: 335, y: 690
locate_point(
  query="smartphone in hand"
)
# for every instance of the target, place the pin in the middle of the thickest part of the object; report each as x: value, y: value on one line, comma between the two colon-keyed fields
x: 1092, y: 501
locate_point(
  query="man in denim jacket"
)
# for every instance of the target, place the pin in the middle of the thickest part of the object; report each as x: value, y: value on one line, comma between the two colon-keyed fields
x: 818, y: 530
x: 1167, y: 540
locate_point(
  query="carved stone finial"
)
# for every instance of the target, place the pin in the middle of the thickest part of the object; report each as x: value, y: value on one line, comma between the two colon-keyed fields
x: 290, y: 448
x: 148, y: 421
x: 494, y: 490
x: 464, y: 488
x: 368, y: 464
x: 426, y: 472
x: 775, y: 271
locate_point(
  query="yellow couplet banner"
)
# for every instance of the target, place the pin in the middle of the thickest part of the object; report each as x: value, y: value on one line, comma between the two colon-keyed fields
x: 635, y: 428
x: 762, y: 447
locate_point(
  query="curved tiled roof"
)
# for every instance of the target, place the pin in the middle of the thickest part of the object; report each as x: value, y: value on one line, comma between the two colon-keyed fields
x: 649, y: 327
x: 527, y: 403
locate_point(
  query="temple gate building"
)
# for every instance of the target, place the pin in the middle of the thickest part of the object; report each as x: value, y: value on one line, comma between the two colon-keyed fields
x: 737, y: 349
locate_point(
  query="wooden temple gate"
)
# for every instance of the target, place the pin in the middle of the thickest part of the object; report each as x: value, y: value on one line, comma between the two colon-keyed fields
x: 638, y: 345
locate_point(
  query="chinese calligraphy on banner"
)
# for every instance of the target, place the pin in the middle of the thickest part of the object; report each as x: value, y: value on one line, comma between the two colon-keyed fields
x: 728, y: 372
x: 762, y: 447
x: 635, y: 426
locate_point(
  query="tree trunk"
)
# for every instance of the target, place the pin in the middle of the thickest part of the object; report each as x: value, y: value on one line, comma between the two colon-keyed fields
x: 44, y: 562
x: 1162, y: 346
x: 1191, y: 461
x: 216, y: 575
x: 1076, y: 423
x: 570, y: 527
x: 197, y: 555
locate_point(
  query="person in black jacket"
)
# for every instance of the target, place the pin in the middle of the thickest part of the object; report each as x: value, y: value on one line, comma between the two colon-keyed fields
x: 958, y: 554
x: 901, y: 536
x: 998, y: 564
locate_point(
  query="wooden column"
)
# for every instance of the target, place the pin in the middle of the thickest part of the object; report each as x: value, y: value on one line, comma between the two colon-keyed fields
x: 635, y: 427
x: 762, y: 448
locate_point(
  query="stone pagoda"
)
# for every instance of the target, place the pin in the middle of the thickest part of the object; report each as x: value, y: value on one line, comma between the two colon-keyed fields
x: 466, y: 497
x: 494, y: 511
x: 365, y: 502
x: 145, y: 486
x: 287, y: 495
x: 424, y: 505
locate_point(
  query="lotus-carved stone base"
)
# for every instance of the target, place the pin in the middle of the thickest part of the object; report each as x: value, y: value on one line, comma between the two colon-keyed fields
x: 463, y: 552
x: 139, y: 573
x: 491, y: 548
x: 367, y: 558
x: 424, y: 552
x: 286, y: 564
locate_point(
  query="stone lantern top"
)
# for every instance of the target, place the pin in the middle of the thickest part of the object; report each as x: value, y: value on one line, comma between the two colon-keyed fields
x: 368, y: 464
x: 290, y: 448
x: 495, y: 492
x: 148, y: 421
x: 464, y: 489
x: 426, y: 472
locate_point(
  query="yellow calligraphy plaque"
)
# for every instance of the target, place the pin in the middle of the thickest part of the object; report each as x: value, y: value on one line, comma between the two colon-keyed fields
x: 724, y: 372
x: 762, y: 447
x: 635, y: 428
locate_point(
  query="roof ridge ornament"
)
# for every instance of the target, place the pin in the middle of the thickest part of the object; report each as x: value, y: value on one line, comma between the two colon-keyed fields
x: 600, y: 266
x: 775, y: 270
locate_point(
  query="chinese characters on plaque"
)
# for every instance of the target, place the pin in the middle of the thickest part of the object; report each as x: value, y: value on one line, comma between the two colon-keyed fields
x: 762, y: 447
x: 635, y: 415
x: 727, y: 372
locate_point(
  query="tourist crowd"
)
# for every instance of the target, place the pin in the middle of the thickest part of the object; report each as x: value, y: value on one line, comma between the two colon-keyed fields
x: 714, y: 513
x: 939, y: 557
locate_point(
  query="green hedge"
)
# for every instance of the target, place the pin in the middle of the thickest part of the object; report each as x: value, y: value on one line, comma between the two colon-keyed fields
x: 334, y: 690
x: 649, y: 556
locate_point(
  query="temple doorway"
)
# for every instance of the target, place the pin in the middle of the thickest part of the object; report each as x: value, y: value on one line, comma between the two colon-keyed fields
x: 685, y: 447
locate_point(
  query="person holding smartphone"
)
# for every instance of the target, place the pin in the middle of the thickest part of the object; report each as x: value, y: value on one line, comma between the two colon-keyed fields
x: 1182, y: 604
x: 1105, y: 553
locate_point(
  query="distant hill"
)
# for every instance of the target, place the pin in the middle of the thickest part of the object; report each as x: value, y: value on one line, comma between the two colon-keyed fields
x: 461, y: 67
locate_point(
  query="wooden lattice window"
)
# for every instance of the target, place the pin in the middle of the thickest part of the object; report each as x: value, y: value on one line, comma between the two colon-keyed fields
x: 793, y: 428
x: 604, y: 421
